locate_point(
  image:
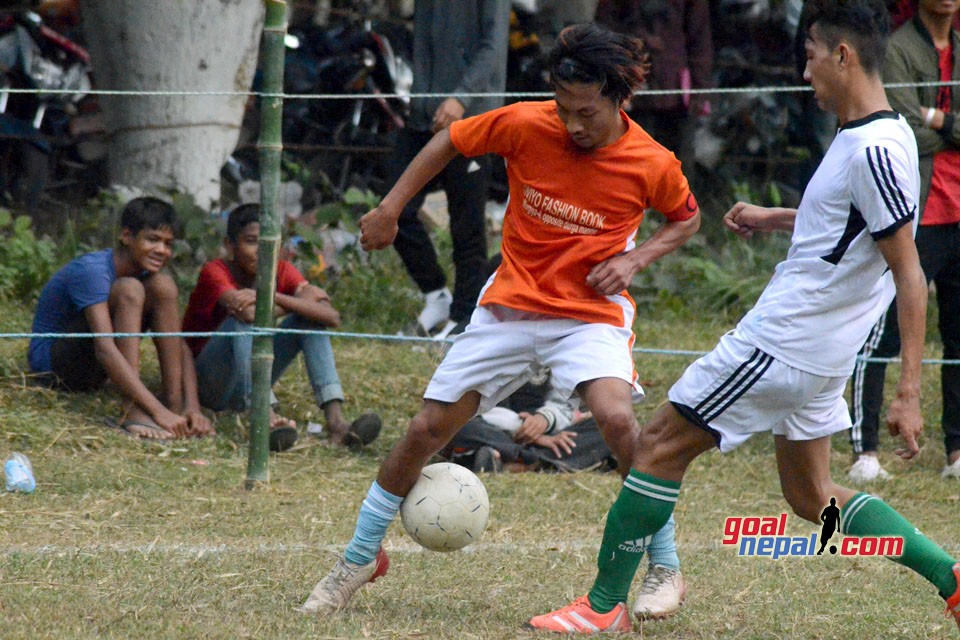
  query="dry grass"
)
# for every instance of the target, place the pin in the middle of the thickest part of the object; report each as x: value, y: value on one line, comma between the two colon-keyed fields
x: 130, y: 539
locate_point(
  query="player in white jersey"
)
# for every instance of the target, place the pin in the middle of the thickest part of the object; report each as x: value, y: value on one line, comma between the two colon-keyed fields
x: 783, y: 369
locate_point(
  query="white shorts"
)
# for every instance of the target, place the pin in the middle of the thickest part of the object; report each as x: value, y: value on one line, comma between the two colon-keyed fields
x: 496, y: 356
x: 737, y: 390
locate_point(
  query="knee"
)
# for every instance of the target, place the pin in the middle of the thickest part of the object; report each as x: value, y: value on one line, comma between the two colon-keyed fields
x: 806, y: 502
x: 617, y: 420
x: 160, y: 287
x: 426, y: 432
x: 128, y: 291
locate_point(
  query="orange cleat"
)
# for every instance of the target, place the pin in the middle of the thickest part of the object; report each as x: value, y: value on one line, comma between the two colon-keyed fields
x: 579, y: 617
x: 953, y: 602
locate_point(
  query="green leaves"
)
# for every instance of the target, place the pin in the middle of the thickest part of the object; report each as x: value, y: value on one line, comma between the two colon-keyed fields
x: 26, y: 262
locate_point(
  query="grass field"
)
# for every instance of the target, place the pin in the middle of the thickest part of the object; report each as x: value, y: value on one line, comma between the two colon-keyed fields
x: 130, y: 539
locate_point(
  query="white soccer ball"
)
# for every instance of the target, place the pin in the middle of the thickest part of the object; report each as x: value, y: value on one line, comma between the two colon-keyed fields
x: 446, y: 509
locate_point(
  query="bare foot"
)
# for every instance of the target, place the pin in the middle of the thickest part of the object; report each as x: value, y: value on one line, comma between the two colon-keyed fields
x: 339, y: 431
x: 138, y: 423
x: 277, y: 421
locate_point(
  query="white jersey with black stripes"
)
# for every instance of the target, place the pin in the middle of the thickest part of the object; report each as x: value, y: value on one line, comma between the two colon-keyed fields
x: 823, y: 299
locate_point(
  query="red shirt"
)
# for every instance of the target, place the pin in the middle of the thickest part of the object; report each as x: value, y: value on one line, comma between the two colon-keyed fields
x: 203, y: 311
x: 943, y: 203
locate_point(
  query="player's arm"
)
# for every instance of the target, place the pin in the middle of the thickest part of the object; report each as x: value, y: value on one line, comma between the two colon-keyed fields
x: 378, y: 228
x: 903, y: 416
x: 122, y: 373
x: 744, y: 219
x: 614, y: 275
x: 310, y: 302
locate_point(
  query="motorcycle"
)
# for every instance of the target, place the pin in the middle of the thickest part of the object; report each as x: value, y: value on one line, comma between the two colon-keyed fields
x: 44, y: 137
x: 338, y: 143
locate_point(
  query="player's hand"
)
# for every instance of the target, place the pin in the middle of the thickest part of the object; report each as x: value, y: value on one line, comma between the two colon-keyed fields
x: 561, y: 444
x: 449, y: 111
x: 904, y: 419
x: 533, y: 426
x: 378, y: 228
x: 613, y: 275
x: 199, y: 425
x: 744, y: 219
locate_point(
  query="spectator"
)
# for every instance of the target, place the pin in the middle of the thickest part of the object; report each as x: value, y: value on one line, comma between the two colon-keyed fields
x: 921, y: 50
x: 677, y: 34
x: 460, y: 48
x: 224, y: 300
x: 553, y: 16
x: 902, y: 10
x: 122, y: 290
x: 534, y: 428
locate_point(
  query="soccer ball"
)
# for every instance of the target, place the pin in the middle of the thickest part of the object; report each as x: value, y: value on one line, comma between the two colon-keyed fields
x: 446, y: 509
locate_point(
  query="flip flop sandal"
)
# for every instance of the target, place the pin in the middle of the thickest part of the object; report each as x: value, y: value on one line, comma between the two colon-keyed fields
x: 363, y: 430
x: 282, y: 438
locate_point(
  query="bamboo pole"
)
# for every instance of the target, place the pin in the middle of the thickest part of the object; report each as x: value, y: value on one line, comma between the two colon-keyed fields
x: 271, y: 146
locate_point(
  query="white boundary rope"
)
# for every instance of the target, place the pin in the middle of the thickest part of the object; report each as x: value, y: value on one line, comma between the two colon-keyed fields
x: 374, y: 96
x: 257, y: 331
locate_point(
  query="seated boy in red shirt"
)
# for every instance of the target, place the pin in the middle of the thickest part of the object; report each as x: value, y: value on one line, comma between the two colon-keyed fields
x: 224, y: 300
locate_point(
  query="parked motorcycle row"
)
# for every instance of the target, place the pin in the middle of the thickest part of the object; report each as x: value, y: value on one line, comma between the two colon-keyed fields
x: 337, y: 143
x: 52, y: 144
x: 49, y: 142
x: 757, y: 136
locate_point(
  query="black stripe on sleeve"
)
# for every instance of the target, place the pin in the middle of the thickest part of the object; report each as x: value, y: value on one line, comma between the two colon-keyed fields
x: 892, y: 229
x: 882, y: 182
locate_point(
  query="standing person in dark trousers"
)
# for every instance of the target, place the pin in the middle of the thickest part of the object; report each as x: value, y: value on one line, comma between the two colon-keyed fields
x: 677, y: 34
x: 460, y: 48
x: 922, y: 50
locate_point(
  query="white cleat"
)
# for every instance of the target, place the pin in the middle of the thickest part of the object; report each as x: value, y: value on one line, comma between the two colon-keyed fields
x: 662, y: 593
x: 345, y: 579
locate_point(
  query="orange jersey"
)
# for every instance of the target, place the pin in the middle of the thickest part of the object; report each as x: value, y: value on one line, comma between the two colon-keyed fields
x: 569, y: 209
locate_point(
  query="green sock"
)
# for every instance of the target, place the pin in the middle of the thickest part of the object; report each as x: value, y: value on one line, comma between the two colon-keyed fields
x: 867, y: 515
x: 642, y: 508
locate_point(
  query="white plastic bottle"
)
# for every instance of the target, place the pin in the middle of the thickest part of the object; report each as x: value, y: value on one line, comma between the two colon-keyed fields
x: 19, y: 473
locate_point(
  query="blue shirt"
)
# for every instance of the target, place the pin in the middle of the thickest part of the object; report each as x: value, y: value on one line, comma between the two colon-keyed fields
x: 83, y: 282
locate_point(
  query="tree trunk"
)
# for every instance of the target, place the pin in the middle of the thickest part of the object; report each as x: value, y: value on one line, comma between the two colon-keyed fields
x: 173, y: 45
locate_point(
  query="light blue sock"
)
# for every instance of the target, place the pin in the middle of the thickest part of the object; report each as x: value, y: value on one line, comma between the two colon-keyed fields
x: 378, y: 510
x: 663, y: 547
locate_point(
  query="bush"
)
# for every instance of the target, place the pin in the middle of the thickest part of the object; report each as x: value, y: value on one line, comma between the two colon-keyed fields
x: 26, y: 262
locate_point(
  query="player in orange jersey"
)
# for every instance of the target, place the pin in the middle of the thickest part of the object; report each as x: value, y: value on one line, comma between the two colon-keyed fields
x: 581, y: 175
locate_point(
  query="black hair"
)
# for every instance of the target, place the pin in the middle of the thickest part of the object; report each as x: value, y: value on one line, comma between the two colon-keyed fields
x: 148, y: 213
x: 240, y: 217
x: 590, y: 54
x: 865, y: 23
